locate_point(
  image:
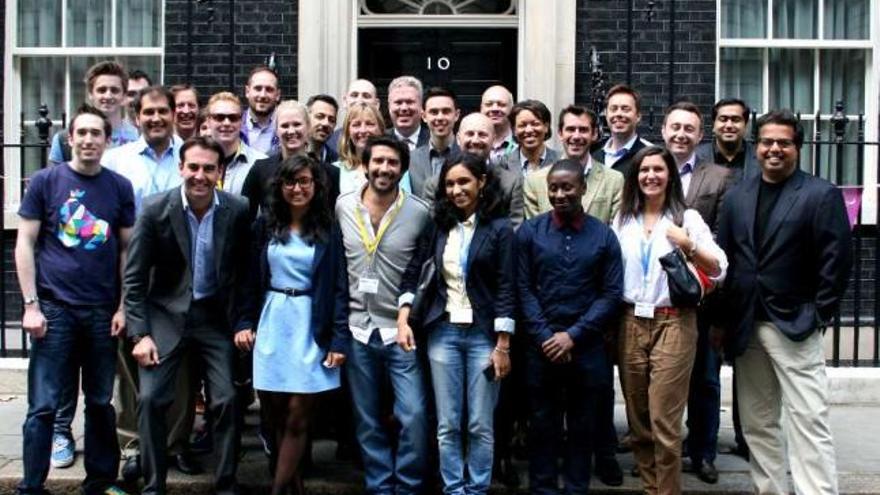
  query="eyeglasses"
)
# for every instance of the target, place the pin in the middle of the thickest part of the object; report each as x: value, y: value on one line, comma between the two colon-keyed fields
x: 220, y: 117
x: 302, y: 182
x: 782, y: 143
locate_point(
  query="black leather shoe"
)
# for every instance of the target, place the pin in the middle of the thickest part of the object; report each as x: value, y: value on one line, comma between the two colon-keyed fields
x: 187, y: 464
x: 131, y: 470
x: 707, y: 472
x: 608, y: 471
x: 739, y: 451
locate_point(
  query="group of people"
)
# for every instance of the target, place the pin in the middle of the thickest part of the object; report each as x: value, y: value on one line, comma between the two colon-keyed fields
x: 456, y: 275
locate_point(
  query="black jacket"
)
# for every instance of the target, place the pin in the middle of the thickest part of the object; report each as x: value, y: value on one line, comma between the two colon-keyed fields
x: 258, y: 184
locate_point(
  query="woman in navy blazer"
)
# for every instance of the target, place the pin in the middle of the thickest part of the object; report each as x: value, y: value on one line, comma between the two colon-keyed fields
x: 299, y: 278
x: 468, y: 317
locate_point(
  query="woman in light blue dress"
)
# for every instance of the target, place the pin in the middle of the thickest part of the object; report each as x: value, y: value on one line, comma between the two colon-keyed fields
x: 302, y: 335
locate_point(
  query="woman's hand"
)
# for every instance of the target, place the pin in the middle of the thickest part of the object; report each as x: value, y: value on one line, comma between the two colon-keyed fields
x: 244, y: 339
x: 334, y: 360
x: 678, y: 236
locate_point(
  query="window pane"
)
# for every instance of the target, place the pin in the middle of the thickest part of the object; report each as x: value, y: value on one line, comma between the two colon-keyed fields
x: 741, y: 75
x: 148, y: 64
x: 434, y: 7
x: 842, y: 78
x: 42, y: 81
x: 137, y: 22
x: 39, y: 23
x: 744, y: 18
x: 795, y: 18
x: 78, y: 68
x: 827, y: 162
x: 88, y: 23
x: 791, y: 79
x: 846, y: 19
x: 806, y: 161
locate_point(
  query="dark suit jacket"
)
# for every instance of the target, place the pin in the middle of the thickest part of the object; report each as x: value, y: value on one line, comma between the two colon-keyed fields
x: 490, y: 280
x: 800, y: 270
x: 158, y: 275
x: 751, y: 168
x: 623, y: 164
x: 420, y: 172
x: 424, y: 135
x: 329, y: 323
x: 706, y: 191
x: 257, y: 186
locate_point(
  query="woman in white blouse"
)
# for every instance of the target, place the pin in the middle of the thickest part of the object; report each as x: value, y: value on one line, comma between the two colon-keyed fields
x: 658, y: 341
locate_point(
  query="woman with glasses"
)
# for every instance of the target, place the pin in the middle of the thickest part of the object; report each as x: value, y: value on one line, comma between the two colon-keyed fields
x: 361, y: 122
x: 657, y: 340
x: 468, y: 318
x: 302, y: 324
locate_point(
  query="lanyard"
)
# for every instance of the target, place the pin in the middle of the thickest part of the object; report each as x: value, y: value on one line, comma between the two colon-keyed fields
x: 463, y: 248
x: 645, y: 248
x: 372, y: 245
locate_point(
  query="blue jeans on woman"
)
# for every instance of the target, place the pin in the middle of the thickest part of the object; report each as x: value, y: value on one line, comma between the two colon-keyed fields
x: 458, y: 356
x: 84, y: 329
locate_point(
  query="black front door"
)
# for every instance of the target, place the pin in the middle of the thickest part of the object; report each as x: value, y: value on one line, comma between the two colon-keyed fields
x: 465, y: 60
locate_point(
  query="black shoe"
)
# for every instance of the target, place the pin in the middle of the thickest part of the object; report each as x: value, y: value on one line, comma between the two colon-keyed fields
x: 201, y: 442
x: 186, y: 464
x: 634, y: 472
x: 707, y: 472
x: 131, y: 470
x: 608, y: 471
x: 505, y: 472
x: 739, y: 451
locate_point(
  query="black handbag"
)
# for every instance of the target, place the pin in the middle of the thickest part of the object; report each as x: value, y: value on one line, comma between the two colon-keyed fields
x: 685, y: 290
x: 420, y: 302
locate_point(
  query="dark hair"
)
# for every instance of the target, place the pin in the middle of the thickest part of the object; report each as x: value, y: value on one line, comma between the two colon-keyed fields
x: 139, y: 74
x: 86, y: 109
x: 686, y: 106
x: 106, y: 68
x: 201, y: 142
x: 490, y: 206
x: 731, y: 101
x: 322, y: 97
x: 782, y: 117
x: 537, y: 108
x: 626, y: 90
x: 318, y: 220
x: 152, y: 91
x: 179, y: 88
x: 437, y: 91
x: 399, y: 146
x: 263, y: 68
x: 633, y: 201
x: 568, y: 165
x: 578, y: 111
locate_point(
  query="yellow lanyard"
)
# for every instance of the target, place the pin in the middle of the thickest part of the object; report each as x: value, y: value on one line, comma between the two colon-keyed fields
x: 372, y: 245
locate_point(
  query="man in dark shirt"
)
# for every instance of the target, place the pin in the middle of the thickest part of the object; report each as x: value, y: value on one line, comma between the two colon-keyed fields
x: 76, y: 221
x: 729, y: 148
x: 570, y: 284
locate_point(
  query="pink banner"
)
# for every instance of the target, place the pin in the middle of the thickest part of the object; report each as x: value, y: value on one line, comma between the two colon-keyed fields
x: 852, y: 197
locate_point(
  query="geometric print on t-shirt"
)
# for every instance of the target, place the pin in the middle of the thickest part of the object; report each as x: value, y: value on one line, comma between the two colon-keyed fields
x: 76, y: 224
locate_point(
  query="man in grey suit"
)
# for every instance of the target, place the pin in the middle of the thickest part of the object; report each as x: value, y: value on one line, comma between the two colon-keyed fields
x: 441, y: 113
x: 182, y: 297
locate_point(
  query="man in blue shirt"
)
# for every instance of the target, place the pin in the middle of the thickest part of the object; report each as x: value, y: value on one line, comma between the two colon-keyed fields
x: 73, y: 235
x: 570, y: 285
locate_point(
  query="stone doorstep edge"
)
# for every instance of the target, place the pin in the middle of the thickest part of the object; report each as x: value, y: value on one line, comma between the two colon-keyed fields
x: 850, y: 386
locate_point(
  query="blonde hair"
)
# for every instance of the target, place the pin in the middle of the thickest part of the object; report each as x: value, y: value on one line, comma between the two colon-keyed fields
x: 296, y: 106
x: 347, y: 152
x: 224, y: 96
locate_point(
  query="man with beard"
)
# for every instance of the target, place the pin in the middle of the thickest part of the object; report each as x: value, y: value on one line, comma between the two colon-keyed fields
x: 623, y: 114
x: 380, y: 228
x: 262, y: 94
x: 441, y: 113
x: 224, y: 121
x: 496, y: 103
x: 323, y: 110
x: 405, y: 109
x: 186, y: 110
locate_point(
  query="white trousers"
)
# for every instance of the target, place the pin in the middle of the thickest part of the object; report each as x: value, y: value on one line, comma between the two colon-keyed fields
x: 777, y: 376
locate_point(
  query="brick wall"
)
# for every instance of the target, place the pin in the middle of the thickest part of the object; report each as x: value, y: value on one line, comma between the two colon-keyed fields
x: 603, y: 24
x: 261, y: 27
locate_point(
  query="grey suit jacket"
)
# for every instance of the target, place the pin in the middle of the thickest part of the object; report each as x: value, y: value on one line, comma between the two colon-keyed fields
x: 602, y: 200
x: 158, y: 276
x: 420, y: 172
x: 706, y: 191
x: 512, y: 161
x: 751, y: 168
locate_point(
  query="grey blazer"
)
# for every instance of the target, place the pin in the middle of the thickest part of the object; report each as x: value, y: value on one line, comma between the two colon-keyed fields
x: 512, y: 161
x: 420, y: 172
x: 706, y: 191
x: 158, y: 276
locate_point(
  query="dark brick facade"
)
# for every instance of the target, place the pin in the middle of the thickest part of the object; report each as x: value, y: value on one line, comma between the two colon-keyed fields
x: 261, y: 27
x: 603, y: 24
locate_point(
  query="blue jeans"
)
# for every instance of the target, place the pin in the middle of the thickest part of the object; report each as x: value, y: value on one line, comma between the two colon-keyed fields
x: 458, y: 356
x: 71, y: 328
x: 704, y: 402
x: 389, y: 471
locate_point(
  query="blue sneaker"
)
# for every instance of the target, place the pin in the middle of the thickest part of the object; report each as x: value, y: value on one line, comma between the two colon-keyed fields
x: 62, y: 451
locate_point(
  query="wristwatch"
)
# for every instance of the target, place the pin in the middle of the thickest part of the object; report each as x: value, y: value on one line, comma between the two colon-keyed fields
x: 30, y: 300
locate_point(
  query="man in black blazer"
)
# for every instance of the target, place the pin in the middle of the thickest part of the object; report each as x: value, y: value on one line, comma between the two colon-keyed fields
x: 182, y: 296
x: 405, y: 109
x: 623, y: 114
x: 788, y: 240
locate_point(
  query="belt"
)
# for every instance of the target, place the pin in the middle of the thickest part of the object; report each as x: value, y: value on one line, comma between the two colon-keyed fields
x: 287, y: 291
x: 661, y: 310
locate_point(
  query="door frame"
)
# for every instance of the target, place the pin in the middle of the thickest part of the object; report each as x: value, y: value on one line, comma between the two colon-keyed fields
x: 327, y: 45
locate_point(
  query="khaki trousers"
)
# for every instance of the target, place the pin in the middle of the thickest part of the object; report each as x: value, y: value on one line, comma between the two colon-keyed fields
x: 778, y: 378
x: 180, y: 416
x: 656, y: 358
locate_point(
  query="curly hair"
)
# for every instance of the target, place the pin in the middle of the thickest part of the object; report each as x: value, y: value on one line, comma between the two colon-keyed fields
x: 318, y: 220
x: 490, y: 206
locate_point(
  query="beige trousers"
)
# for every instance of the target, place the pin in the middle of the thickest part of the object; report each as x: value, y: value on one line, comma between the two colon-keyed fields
x: 778, y: 378
x: 656, y: 358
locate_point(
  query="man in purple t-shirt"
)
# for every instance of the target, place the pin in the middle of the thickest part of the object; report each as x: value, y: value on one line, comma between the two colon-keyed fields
x: 76, y: 221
